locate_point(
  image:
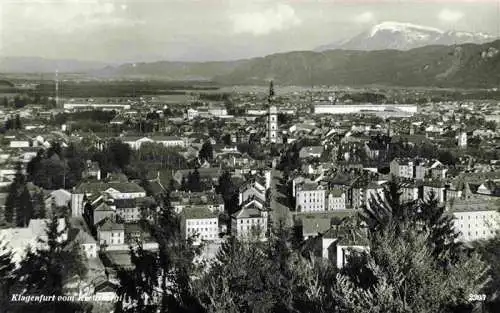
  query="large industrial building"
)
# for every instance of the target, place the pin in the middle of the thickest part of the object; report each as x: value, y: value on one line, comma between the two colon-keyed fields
x: 364, y: 108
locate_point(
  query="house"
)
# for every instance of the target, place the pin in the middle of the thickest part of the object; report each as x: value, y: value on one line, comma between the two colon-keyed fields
x: 409, y: 192
x: 310, y: 197
x: 88, y: 244
x: 169, y: 141
x: 106, y: 292
x: 312, y: 227
x: 117, y: 189
x: 377, y: 148
x: 57, y: 198
x: 19, y: 239
x: 436, y: 188
x: 200, y: 223
x: 207, y: 175
x: 20, y: 141
x: 92, y: 170
x: 490, y: 187
x: 110, y: 233
x: 81, y: 234
x: 135, y: 142
x: 102, y: 211
x: 402, y: 168
x: 336, y: 199
x: 339, y: 242
x: 208, y: 199
x: 475, y: 218
x: 127, y: 209
x: 256, y: 187
x: 311, y: 152
x: 250, y: 222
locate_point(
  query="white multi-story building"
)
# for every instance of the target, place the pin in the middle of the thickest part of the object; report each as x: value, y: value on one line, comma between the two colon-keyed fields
x: 336, y: 200
x: 475, y: 218
x: 20, y: 240
x: 250, y: 222
x: 167, y: 141
x: 310, y: 197
x: 402, y: 168
x: 98, y: 189
x: 409, y: 192
x: 359, y: 108
x: 200, y: 223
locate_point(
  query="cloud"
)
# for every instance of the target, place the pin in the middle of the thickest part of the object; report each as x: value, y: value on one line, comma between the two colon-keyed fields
x: 70, y: 15
x: 365, y: 17
x: 277, y: 18
x: 450, y: 16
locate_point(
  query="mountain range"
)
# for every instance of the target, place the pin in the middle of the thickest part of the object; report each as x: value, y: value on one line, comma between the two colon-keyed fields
x: 405, y: 36
x: 400, y: 61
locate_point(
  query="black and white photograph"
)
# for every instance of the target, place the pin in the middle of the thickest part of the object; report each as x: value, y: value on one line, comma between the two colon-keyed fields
x: 249, y: 156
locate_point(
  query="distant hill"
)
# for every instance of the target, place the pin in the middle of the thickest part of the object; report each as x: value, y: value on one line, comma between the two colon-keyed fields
x: 405, y: 36
x: 20, y: 65
x: 467, y: 65
x: 197, y: 71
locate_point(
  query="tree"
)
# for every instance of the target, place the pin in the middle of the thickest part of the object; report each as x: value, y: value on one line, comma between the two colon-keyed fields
x: 490, y: 251
x: 17, y: 122
x: 118, y: 154
x: 6, y: 278
x: 206, y: 151
x: 193, y: 181
x: 162, y: 275
x: 226, y: 139
x: 228, y: 191
x: 18, y: 206
x: 34, y: 165
x: 409, y: 279
x: 425, y: 215
x: 46, y: 268
x: 138, y: 285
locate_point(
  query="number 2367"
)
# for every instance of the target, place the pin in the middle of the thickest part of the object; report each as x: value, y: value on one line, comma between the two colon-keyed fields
x: 477, y: 297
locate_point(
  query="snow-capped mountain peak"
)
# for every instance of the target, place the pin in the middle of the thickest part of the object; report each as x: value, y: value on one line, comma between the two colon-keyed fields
x: 405, y: 36
x: 402, y: 27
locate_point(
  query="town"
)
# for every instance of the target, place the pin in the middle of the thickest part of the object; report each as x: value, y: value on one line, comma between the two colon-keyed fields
x: 237, y: 163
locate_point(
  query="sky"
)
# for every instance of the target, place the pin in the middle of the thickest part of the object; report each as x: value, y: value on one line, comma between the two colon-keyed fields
x: 204, y: 30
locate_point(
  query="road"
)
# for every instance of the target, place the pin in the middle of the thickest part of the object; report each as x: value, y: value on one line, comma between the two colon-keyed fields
x: 279, y: 211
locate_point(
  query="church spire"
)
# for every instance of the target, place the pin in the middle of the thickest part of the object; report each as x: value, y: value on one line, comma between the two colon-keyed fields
x: 271, y: 92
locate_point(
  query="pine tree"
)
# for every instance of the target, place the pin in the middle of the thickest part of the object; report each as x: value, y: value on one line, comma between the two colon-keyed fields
x: 409, y: 279
x: 6, y: 278
x: 18, y: 206
x: 164, y: 274
x: 138, y: 286
x: 443, y: 236
x: 45, y: 269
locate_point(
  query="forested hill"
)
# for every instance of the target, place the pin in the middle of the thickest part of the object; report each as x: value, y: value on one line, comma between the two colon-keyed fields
x: 464, y: 66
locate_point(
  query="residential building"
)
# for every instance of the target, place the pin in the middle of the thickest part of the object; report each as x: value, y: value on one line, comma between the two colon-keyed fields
x: 116, y: 189
x: 20, y: 239
x: 200, y: 223
x: 110, y: 233
x: 336, y: 199
x: 311, y: 152
x: 310, y: 197
x: 476, y: 218
x: 250, y: 222
x: 402, y: 168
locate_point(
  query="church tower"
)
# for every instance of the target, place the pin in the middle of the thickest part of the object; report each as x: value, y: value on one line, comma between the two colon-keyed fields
x: 272, y: 116
x: 462, y: 139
